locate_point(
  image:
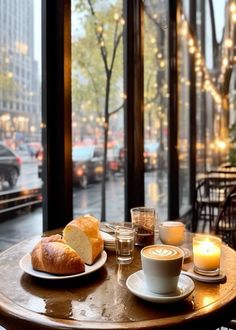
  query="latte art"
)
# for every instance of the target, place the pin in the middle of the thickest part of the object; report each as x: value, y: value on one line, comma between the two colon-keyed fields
x: 161, y: 252
x: 164, y: 252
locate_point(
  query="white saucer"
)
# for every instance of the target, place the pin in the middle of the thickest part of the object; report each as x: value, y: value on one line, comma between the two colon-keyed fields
x: 136, y: 284
x: 203, y: 278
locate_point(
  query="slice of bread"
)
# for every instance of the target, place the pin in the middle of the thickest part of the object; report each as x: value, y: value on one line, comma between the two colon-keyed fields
x: 83, y: 235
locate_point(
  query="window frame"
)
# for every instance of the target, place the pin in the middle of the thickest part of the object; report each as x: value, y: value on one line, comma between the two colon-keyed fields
x: 56, y: 111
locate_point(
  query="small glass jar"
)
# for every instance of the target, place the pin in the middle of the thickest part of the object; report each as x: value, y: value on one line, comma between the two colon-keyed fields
x: 206, y: 254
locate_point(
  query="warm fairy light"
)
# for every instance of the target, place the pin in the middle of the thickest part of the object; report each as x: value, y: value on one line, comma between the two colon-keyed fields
x: 99, y: 29
x: 234, y: 17
x: 225, y: 61
x: 9, y: 74
x: 221, y: 144
x: 21, y: 47
x: 233, y: 7
x: 162, y: 64
x: 192, y: 50
x: 116, y: 16
x: 153, y: 40
x: 122, y: 21
x: 184, y: 29
x: 198, y: 62
x: 198, y: 84
x: 207, y: 84
x: 155, y: 50
x: 228, y: 42
x: 190, y: 42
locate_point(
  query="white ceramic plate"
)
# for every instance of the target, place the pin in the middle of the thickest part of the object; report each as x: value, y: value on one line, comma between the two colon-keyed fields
x: 109, y: 241
x: 136, y: 284
x: 25, y: 264
x: 107, y: 238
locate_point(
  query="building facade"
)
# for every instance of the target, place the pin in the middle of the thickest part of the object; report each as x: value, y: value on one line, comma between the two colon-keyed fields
x: 20, y: 109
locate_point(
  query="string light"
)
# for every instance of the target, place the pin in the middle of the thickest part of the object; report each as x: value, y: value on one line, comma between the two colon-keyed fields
x: 201, y: 70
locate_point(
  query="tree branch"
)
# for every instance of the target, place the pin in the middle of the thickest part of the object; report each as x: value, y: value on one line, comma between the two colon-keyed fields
x: 116, y: 41
x: 99, y: 38
x: 116, y: 110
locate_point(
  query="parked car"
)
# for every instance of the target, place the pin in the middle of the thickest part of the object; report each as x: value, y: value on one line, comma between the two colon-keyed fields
x: 87, y: 165
x: 34, y: 148
x: 115, y: 160
x: 39, y: 157
x: 10, y: 166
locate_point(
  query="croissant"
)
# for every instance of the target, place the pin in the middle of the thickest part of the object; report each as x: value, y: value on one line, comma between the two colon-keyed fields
x: 53, y: 255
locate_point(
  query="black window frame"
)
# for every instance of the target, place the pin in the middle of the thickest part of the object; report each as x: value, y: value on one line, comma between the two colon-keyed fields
x: 56, y: 111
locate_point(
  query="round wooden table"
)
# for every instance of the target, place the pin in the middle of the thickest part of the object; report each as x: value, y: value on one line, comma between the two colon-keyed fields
x: 101, y: 299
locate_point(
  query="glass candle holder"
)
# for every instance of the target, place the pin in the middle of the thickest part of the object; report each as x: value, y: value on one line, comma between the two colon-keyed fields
x: 206, y: 254
x: 144, y: 221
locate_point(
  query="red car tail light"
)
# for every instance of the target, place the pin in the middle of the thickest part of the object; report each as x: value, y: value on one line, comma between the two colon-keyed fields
x: 39, y: 156
x: 19, y: 160
x: 80, y: 172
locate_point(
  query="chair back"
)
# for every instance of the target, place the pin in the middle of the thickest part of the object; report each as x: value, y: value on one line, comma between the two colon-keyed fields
x: 225, y: 225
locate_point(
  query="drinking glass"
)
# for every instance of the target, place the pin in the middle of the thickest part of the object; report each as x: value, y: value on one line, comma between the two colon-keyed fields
x: 143, y: 221
x: 124, y: 237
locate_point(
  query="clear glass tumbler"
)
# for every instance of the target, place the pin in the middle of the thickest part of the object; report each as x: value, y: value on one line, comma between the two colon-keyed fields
x: 124, y: 244
x: 144, y: 221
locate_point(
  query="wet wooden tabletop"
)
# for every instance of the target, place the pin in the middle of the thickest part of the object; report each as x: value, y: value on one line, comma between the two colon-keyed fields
x: 101, y: 300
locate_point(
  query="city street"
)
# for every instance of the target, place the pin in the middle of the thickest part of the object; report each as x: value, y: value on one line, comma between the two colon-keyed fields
x: 29, y: 222
x: 28, y: 177
x: 89, y: 200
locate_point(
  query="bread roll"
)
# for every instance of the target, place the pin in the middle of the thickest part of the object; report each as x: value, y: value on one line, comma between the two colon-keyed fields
x: 84, y: 237
x: 52, y: 255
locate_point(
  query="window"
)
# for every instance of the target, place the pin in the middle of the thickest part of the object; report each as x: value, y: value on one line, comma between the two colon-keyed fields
x: 19, y: 125
x: 185, y: 42
x: 156, y: 101
x: 98, y: 108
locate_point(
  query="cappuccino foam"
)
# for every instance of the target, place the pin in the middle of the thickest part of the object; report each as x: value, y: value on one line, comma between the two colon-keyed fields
x: 160, y: 252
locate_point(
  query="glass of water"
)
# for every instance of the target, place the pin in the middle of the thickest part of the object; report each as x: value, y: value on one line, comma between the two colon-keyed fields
x: 124, y: 244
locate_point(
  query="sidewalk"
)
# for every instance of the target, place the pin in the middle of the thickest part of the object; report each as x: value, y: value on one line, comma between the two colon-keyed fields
x: 19, y: 228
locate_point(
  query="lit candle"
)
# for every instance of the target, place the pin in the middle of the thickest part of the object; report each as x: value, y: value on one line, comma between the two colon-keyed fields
x: 206, y: 252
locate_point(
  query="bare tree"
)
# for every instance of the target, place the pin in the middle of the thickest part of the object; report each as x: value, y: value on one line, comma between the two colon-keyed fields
x: 108, y: 59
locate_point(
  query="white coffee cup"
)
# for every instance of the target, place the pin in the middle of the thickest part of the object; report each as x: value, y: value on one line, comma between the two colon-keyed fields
x: 161, y: 266
x: 172, y: 232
